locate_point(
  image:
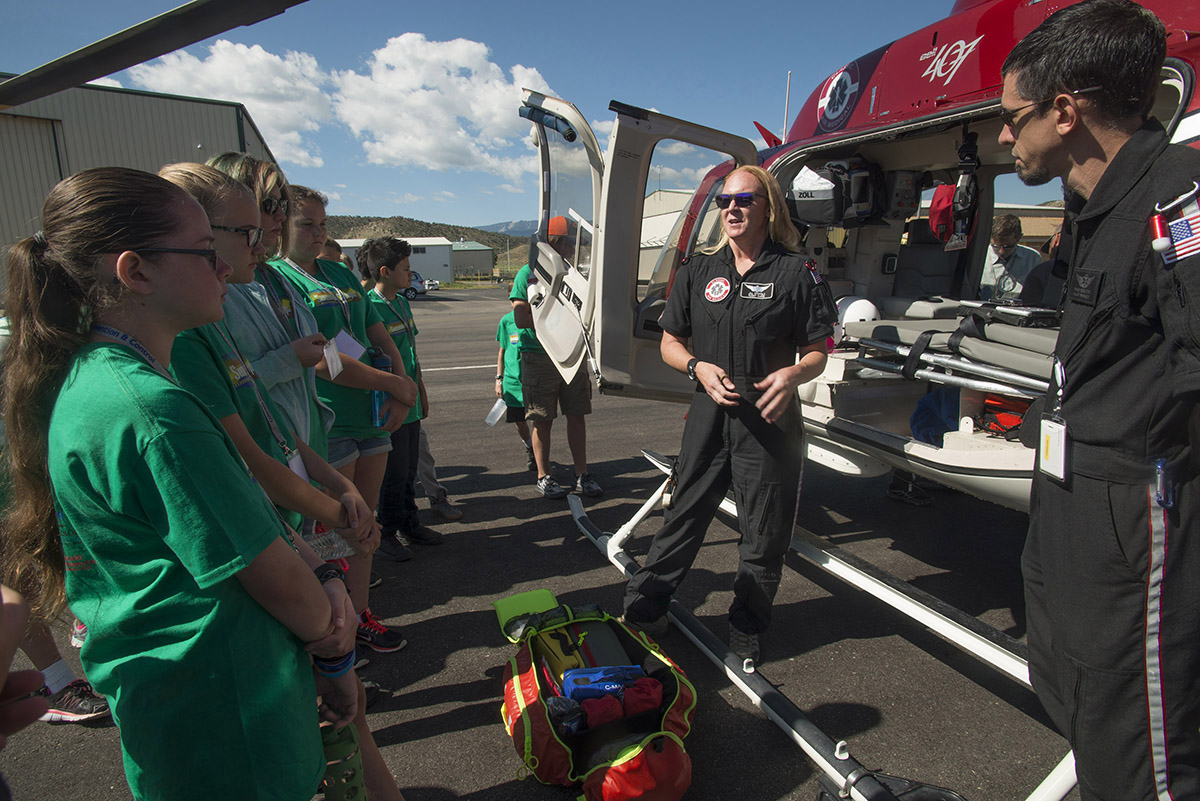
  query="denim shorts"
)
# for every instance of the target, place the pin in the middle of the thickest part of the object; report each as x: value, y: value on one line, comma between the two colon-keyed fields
x: 344, y: 450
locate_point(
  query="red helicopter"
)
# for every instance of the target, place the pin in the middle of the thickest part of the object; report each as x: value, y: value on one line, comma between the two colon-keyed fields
x: 891, y: 126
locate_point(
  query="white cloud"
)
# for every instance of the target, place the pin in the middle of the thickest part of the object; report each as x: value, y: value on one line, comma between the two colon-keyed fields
x: 444, y: 196
x: 407, y: 197
x: 284, y: 95
x: 438, y: 105
x: 516, y: 190
x: 113, y: 82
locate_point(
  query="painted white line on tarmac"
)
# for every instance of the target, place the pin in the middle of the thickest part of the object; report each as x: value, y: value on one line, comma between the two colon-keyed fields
x: 466, y: 367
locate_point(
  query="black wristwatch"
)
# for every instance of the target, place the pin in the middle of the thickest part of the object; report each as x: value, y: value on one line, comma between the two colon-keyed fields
x: 329, y: 572
x: 691, y: 368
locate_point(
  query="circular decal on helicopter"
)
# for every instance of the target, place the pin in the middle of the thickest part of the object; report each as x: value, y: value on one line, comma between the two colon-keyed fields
x: 717, y: 290
x: 838, y: 94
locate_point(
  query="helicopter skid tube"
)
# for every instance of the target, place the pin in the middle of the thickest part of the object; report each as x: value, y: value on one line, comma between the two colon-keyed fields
x: 964, y: 631
x: 830, y: 757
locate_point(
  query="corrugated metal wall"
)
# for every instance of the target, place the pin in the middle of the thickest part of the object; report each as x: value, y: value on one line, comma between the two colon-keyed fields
x: 45, y: 140
x: 30, y: 163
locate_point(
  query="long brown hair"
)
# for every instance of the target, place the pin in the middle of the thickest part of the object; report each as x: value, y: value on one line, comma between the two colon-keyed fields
x: 263, y: 177
x: 54, y: 290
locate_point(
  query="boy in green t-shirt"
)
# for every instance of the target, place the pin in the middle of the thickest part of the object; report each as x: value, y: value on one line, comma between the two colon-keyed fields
x: 508, y: 379
x: 387, y: 261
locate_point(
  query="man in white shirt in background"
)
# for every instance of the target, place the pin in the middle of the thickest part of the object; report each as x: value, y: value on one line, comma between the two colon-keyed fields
x: 1008, y: 261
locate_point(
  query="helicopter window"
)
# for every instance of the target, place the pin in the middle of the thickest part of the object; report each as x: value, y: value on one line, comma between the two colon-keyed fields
x: 668, y: 233
x: 572, y: 198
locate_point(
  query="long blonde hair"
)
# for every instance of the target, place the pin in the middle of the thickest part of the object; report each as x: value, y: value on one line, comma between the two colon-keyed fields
x: 54, y: 292
x: 780, y: 229
x: 262, y: 177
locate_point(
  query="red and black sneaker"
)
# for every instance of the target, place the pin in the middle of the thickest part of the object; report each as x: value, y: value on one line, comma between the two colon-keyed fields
x: 376, y: 636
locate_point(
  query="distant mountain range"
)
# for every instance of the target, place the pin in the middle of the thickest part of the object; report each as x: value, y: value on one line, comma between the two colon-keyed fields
x: 514, y: 228
x: 502, y: 237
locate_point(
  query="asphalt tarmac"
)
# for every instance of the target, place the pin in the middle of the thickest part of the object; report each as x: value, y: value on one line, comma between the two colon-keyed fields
x: 906, y: 702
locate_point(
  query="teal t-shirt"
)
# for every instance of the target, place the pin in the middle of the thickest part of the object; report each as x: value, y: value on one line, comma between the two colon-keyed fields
x: 520, y: 291
x: 512, y: 340
x: 205, y: 361
x: 337, y: 301
x: 397, y: 318
x: 157, y: 514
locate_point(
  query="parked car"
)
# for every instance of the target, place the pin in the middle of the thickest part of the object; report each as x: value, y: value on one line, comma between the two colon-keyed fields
x: 418, y: 286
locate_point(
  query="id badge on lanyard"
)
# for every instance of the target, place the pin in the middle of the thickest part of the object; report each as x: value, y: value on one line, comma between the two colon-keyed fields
x: 1054, y: 442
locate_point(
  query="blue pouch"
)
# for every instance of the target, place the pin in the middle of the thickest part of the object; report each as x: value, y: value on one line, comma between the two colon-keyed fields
x: 579, y: 684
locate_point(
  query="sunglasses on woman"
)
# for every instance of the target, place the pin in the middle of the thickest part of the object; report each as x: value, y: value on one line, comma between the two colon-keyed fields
x: 270, y: 204
x: 743, y: 200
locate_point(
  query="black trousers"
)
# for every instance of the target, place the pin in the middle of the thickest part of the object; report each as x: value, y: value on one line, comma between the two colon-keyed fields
x: 397, y: 496
x: 763, y: 463
x: 1112, y: 584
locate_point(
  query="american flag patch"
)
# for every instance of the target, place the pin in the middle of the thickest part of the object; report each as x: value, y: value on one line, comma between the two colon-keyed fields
x: 1185, y: 238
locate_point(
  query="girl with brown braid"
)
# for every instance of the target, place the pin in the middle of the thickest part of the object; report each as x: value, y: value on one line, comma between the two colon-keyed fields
x: 132, y: 504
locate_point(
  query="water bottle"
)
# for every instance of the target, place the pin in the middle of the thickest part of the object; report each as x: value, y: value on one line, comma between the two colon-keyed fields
x: 498, y: 410
x: 380, y: 361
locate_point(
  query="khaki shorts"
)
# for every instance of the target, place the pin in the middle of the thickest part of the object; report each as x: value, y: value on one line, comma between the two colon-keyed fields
x: 544, y: 389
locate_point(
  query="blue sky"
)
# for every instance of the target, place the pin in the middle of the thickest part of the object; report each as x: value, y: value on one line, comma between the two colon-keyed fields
x: 410, y: 108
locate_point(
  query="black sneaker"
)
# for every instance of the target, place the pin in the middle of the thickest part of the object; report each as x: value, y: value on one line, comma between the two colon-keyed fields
x: 378, y: 637
x: 392, y: 548
x: 75, y: 703
x: 746, y: 647
x: 423, y: 535
x: 551, y: 488
x: 586, y: 485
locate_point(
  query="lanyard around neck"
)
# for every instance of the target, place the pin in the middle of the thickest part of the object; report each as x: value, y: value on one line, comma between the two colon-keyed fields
x: 268, y: 282
x: 117, y: 335
x: 262, y: 403
x: 412, y: 341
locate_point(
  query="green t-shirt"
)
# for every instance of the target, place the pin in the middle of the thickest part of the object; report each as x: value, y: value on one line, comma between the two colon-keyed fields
x: 338, y: 303
x: 511, y: 341
x: 397, y: 318
x: 206, y: 363
x: 157, y: 514
x: 520, y: 291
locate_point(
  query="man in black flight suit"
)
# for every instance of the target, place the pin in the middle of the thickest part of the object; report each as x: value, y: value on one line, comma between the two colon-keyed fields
x: 1112, y: 578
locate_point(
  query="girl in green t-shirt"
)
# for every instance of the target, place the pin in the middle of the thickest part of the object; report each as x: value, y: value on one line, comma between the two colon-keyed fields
x: 357, y: 446
x: 198, y: 606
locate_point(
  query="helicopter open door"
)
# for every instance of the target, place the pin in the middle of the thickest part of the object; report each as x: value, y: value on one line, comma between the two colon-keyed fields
x: 629, y: 294
x: 572, y: 169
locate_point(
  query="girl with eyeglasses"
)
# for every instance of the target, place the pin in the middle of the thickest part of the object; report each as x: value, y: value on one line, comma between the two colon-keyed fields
x: 209, y: 362
x: 132, y: 503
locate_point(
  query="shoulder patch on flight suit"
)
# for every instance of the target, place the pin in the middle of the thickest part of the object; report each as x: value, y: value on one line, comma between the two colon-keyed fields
x: 1085, y: 286
x: 758, y: 291
x: 717, y: 290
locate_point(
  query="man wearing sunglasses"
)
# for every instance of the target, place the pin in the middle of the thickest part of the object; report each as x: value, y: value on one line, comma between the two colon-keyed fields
x: 1113, y: 600
x: 1009, y: 263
